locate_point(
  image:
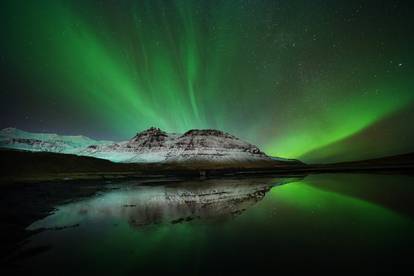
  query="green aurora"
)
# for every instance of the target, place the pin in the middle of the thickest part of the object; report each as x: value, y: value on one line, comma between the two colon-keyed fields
x: 301, y: 79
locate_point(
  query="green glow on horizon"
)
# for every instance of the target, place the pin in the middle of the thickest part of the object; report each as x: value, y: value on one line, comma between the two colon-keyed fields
x: 344, y: 120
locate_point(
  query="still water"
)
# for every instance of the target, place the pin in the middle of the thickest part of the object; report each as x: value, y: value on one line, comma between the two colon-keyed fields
x: 340, y: 221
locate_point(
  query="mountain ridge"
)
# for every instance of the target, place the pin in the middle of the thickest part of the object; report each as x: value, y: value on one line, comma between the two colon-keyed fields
x: 152, y: 145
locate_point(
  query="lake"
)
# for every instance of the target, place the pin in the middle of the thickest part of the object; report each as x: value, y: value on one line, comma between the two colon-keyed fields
x: 329, y: 222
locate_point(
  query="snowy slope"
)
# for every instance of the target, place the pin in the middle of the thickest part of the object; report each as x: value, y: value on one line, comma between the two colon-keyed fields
x: 48, y: 142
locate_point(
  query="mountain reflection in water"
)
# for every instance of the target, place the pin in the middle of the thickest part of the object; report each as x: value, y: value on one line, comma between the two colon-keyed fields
x: 170, y: 203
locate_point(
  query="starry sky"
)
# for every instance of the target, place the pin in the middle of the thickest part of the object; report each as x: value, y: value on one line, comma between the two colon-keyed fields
x: 322, y: 81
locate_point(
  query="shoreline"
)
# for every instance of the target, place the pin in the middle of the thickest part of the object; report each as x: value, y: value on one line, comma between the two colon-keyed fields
x: 30, y: 167
x: 73, y: 176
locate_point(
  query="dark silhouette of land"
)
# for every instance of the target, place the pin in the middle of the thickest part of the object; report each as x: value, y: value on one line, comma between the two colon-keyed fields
x: 24, y: 166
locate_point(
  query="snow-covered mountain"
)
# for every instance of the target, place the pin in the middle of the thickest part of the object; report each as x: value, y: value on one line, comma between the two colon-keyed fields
x: 47, y: 142
x: 155, y: 145
x: 150, y: 146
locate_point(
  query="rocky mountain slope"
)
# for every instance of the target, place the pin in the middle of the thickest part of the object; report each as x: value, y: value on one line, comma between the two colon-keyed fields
x: 150, y: 146
x: 155, y: 145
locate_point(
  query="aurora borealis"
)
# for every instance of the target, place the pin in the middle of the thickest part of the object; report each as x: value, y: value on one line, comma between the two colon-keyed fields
x: 315, y: 80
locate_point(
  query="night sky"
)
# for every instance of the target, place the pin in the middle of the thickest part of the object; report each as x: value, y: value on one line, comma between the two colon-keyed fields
x: 317, y: 80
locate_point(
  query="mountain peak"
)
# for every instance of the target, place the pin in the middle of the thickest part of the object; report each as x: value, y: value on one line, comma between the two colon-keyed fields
x: 153, y: 129
x: 150, y: 132
x: 208, y: 132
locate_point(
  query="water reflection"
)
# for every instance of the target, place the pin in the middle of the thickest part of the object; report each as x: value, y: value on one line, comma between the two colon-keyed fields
x: 209, y: 226
x: 172, y: 203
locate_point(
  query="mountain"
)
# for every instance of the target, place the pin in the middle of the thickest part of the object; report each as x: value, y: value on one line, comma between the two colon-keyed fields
x: 44, y: 142
x: 153, y: 145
